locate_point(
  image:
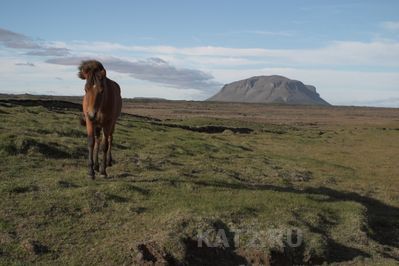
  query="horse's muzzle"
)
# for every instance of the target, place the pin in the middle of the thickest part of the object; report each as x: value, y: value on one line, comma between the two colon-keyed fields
x: 92, y: 115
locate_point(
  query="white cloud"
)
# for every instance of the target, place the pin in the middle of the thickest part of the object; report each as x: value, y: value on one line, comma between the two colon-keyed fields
x: 256, y: 32
x: 151, y: 69
x: 391, y: 25
x: 19, y: 41
x: 38, y: 79
x: 25, y: 64
x: 141, y: 88
x: 270, y: 33
x: 62, y: 80
x: 338, y: 53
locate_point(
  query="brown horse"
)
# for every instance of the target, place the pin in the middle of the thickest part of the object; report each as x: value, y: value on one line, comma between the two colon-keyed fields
x: 102, y: 106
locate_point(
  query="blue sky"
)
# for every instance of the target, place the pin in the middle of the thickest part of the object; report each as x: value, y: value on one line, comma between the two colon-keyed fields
x: 188, y: 49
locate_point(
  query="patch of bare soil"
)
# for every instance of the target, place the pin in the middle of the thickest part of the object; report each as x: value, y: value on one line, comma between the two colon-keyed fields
x: 151, y: 253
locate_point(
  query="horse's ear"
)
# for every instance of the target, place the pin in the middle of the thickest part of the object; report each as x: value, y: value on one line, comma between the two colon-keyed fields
x: 103, y: 73
x: 82, y: 74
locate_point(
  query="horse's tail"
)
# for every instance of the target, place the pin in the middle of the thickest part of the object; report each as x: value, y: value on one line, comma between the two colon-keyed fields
x: 82, y: 120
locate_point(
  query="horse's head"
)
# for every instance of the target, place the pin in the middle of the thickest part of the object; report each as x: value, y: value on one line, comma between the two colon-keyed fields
x: 95, y: 75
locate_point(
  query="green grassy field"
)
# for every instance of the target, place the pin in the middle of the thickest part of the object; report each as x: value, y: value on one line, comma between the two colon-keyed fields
x: 337, y: 183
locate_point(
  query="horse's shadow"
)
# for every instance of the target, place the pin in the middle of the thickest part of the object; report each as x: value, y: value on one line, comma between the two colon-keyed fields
x: 382, y: 219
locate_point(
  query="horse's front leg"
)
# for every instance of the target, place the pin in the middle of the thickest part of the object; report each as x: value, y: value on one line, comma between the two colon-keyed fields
x: 96, y: 148
x: 90, y: 146
x: 109, y: 155
x: 104, y: 147
x: 90, y: 141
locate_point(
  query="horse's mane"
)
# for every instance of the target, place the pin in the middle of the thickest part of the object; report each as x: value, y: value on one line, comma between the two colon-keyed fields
x: 89, y: 66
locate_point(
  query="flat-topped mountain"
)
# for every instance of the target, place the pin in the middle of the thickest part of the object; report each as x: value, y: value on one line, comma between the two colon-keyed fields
x: 269, y: 89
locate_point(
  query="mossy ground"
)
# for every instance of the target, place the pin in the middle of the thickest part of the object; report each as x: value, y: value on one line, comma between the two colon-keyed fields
x: 337, y: 183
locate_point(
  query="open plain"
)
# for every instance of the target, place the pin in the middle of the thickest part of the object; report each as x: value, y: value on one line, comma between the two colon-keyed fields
x: 329, y: 174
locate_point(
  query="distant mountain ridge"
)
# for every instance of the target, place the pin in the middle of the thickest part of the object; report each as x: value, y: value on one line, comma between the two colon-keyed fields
x: 269, y: 89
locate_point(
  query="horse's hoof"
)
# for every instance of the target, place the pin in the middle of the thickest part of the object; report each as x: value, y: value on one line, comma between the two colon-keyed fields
x: 110, y: 161
x: 92, y: 177
x: 103, y: 173
x: 91, y: 174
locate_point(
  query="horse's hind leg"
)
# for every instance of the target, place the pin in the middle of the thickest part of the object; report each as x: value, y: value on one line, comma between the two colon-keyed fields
x: 97, y: 133
x: 109, y: 155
